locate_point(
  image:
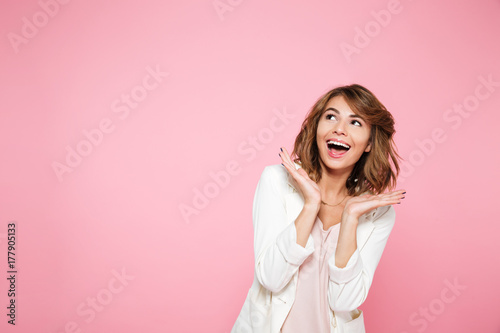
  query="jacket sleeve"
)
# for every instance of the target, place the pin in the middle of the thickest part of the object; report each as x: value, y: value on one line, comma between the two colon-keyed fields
x: 348, y: 287
x: 277, y: 254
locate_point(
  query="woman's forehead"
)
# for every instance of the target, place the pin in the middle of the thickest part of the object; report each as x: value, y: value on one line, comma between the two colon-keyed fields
x: 340, y: 104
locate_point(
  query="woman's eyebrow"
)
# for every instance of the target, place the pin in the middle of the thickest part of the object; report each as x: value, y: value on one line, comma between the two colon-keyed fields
x: 352, y: 115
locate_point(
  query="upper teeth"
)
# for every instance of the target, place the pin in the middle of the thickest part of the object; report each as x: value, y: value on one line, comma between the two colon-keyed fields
x: 338, y: 144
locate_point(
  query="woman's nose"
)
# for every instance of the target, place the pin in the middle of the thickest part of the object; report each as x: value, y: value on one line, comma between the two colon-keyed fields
x: 339, y: 128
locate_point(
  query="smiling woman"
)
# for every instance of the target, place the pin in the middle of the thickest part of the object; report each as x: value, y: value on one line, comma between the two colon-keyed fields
x: 321, y: 220
x: 362, y: 113
x: 343, y: 121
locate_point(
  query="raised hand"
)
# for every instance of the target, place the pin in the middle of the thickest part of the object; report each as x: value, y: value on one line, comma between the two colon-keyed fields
x: 310, y: 190
x: 357, y: 206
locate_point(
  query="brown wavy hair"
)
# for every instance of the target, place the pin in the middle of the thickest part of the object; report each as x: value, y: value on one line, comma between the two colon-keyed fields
x: 376, y: 170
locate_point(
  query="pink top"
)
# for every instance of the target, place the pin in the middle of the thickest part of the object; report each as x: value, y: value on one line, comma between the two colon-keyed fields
x: 310, y: 310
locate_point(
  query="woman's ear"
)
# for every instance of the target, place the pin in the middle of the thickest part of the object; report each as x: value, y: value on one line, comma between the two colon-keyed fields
x: 369, y: 147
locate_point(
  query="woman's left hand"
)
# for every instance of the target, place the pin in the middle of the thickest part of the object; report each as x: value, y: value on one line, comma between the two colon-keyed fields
x: 357, y: 206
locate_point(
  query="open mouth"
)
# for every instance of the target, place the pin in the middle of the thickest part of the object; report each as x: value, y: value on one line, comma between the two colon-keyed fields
x: 336, y: 147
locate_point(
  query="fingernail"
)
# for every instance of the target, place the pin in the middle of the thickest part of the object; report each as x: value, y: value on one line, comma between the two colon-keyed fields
x: 279, y: 155
x: 281, y: 149
x: 282, y: 164
x: 404, y: 192
x: 403, y: 197
x: 399, y: 203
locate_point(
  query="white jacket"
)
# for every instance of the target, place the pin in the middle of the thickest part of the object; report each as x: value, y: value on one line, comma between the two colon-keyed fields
x: 277, y: 203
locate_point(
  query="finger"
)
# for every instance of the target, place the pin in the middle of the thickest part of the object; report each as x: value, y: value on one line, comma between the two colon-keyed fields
x: 289, y: 165
x: 286, y: 156
x: 397, y: 192
x: 393, y: 194
x: 283, y: 157
x: 382, y: 199
x: 288, y: 161
x: 290, y: 168
x: 387, y: 202
x: 394, y: 198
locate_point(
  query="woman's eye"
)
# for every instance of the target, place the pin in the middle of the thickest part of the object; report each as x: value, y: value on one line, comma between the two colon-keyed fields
x: 332, y: 116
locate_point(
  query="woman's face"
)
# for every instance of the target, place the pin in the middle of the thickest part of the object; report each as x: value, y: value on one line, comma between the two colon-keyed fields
x: 342, y: 136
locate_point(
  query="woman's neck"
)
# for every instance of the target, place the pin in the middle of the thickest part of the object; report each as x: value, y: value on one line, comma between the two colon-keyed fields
x: 332, y: 185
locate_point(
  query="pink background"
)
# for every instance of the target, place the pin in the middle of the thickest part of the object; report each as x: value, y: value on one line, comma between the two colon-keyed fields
x: 229, y: 74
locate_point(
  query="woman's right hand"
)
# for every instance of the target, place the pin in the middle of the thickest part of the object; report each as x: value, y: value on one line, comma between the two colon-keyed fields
x: 310, y: 190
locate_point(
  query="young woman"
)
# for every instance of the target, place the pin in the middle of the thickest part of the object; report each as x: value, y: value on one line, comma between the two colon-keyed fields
x: 321, y: 220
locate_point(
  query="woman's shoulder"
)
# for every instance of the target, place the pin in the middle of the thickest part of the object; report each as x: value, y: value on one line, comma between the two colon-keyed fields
x: 274, y: 173
x: 279, y: 168
x: 278, y: 175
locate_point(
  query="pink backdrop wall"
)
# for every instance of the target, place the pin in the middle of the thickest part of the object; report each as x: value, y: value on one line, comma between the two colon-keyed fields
x: 116, y: 115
